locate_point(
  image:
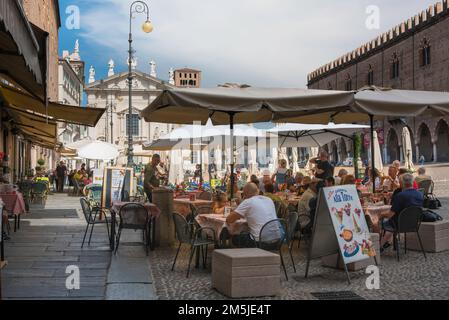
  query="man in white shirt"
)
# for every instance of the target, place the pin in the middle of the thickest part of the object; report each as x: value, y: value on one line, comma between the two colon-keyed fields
x: 256, y: 209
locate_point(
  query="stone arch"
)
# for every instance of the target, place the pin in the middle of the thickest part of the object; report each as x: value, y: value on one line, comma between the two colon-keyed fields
x: 393, y: 150
x: 442, y: 141
x: 425, y: 142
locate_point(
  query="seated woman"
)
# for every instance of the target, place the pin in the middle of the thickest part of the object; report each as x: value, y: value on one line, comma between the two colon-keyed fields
x: 219, y: 203
x: 391, y: 181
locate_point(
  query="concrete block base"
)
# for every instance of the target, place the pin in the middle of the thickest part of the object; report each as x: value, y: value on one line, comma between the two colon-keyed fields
x: 244, y: 273
x: 434, y: 237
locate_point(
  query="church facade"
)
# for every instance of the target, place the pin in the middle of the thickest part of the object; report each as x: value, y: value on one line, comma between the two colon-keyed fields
x: 412, y: 56
x: 112, y: 93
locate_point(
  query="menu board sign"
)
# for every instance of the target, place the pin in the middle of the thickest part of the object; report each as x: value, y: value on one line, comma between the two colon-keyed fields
x: 340, y: 227
x: 349, y: 223
x: 116, y: 182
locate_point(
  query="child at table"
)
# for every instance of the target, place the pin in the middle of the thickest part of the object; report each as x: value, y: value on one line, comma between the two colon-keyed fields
x: 219, y: 203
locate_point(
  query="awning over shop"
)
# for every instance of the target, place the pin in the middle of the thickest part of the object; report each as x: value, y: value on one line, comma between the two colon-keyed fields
x: 21, y: 53
x: 34, y: 128
x: 20, y: 101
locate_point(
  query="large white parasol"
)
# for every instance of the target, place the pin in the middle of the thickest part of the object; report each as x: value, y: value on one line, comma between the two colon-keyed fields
x: 407, y: 149
x: 98, y: 150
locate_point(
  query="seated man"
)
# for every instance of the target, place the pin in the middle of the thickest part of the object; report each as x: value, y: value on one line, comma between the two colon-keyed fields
x: 422, y: 176
x: 256, y: 209
x: 409, y: 197
x: 391, y: 181
x: 304, y: 203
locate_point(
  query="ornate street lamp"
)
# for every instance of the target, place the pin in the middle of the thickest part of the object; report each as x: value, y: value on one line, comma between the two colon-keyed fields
x: 147, y: 27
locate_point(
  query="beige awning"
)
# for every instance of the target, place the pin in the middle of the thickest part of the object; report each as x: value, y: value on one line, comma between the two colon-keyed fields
x: 22, y: 49
x: 250, y: 105
x: 35, y: 128
x: 381, y: 103
x: 22, y: 101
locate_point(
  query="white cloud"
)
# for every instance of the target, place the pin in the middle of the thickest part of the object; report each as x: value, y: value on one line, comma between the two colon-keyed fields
x: 260, y: 42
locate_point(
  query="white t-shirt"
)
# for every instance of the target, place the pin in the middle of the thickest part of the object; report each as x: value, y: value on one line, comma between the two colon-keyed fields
x: 257, y: 211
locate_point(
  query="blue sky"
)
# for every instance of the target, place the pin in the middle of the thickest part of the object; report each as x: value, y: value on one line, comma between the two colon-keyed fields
x: 271, y: 43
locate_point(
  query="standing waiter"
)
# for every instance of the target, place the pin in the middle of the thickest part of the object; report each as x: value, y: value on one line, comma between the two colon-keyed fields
x: 151, y: 180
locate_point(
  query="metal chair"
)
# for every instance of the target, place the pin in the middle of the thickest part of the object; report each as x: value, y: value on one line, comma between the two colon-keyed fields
x: 39, y: 190
x: 409, y: 221
x: 291, y: 230
x: 94, y: 193
x: 92, y: 216
x: 200, y: 239
x: 271, y: 238
x: 25, y: 187
x: 304, y: 226
x: 133, y: 216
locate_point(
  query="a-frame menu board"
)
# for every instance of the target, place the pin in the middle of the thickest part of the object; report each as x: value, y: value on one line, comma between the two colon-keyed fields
x: 340, y: 227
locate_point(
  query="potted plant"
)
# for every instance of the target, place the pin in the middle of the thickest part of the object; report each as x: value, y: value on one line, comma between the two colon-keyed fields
x: 41, y: 162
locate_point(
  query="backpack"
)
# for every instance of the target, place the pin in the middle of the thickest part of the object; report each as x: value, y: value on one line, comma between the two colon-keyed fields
x: 430, y: 216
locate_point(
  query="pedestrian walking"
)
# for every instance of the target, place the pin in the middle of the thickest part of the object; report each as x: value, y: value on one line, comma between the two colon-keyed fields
x: 61, y: 172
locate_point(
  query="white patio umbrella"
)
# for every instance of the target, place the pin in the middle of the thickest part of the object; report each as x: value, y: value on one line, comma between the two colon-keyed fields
x: 176, y: 172
x: 407, y: 148
x: 313, y: 135
x: 99, y: 150
x: 378, y: 164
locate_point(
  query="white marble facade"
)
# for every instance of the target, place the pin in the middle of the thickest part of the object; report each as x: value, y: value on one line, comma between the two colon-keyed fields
x: 112, y: 93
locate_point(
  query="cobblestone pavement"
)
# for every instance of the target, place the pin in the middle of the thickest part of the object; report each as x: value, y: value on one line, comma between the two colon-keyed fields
x: 411, y: 278
x: 48, y: 241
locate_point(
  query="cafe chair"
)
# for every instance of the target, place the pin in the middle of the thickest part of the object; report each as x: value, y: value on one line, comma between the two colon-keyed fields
x: 92, y: 215
x: 198, y: 240
x: 25, y: 187
x: 304, y: 226
x: 134, y: 216
x: 77, y: 188
x: 409, y: 221
x: 271, y: 238
x: 291, y: 231
x: 428, y: 187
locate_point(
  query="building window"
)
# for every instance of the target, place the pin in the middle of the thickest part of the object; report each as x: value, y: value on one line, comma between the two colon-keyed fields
x: 370, y: 76
x: 348, y: 83
x: 395, y: 67
x: 134, y: 124
x: 424, y: 53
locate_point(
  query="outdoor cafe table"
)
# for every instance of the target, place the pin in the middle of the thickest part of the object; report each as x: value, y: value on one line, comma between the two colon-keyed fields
x: 375, y: 211
x: 182, y: 205
x: 14, y: 204
x: 153, y: 213
x: 217, y: 222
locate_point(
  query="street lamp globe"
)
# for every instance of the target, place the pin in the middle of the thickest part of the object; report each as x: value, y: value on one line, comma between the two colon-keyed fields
x: 147, y: 27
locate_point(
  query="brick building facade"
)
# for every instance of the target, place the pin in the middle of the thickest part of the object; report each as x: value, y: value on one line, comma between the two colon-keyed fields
x: 414, y: 55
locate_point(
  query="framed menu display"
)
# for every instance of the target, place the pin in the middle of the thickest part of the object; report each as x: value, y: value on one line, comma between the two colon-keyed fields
x: 340, y: 227
x: 116, y: 183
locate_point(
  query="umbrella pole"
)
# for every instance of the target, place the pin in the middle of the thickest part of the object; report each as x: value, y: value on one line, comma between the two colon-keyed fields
x: 231, y: 124
x: 373, y: 163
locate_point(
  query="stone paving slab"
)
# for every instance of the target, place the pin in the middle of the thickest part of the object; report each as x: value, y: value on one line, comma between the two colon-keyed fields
x: 48, y: 241
x: 130, y: 291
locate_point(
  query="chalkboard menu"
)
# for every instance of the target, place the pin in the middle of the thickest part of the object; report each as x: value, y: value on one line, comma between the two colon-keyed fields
x: 117, y: 182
